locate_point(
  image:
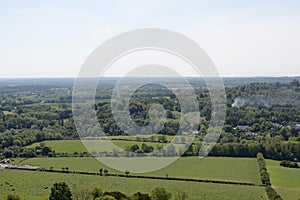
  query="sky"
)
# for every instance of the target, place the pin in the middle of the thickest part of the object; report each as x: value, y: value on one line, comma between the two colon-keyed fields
x: 53, y: 38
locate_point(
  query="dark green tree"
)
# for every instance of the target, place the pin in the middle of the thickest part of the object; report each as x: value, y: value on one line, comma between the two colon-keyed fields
x: 60, y: 191
x: 105, y: 172
x: 159, y: 193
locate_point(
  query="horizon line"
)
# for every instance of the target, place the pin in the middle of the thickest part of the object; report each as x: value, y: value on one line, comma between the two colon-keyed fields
x: 74, y: 77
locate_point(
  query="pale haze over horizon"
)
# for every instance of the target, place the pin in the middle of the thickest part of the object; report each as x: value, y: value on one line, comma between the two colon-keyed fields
x: 243, y: 38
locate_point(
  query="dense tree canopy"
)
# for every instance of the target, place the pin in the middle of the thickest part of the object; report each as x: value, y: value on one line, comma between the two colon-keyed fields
x: 261, y: 117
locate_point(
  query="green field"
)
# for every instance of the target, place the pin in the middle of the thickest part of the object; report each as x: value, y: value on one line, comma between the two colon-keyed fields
x: 36, y: 186
x: 287, y: 193
x: 286, y: 181
x: 217, y: 168
x: 283, y: 176
x: 71, y: 146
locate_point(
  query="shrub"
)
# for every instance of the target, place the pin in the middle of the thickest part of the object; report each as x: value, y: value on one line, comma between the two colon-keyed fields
x: 140, y: 196
x: 272, y: 194
x: 117, y: 195
x: 160, y: 193
x: 96, y: 192
x: 13, y: 197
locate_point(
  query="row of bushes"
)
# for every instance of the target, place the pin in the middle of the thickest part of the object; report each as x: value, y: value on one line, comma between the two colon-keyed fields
x: 265, y: 178
x: 264, y: 175
x: 272, y: 194
x: 61, y: 189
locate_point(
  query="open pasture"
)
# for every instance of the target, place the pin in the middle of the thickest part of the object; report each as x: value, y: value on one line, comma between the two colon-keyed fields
x: 36, y: 186
x: 216, y: 168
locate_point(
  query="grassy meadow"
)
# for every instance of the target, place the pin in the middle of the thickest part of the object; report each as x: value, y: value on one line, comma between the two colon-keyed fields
x: 233, y: 169
x: 36, y: 186
x: 71, y: 146
x: 286, y: 181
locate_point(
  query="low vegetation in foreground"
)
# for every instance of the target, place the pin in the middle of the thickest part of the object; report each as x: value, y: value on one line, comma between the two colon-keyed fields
x: 36, y: 186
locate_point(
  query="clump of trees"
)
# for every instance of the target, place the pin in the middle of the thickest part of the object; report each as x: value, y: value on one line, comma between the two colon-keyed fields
x: 61, y: 191
x: 289, y: 164
x: 103, y: 172
x: 264, y: 175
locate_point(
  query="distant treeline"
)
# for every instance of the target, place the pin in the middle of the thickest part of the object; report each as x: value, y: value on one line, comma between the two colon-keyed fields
x: 36, y: 111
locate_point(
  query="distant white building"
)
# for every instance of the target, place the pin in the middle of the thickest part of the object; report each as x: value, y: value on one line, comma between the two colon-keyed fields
x: 276, y: 125
x: 5, y: 161
x: 295, y: 125
x: 195, y: 132
x: 252, y: 134
x: 243, y: 128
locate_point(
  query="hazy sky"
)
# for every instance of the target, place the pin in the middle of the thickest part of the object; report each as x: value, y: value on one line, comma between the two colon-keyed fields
x: 244, y: 38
